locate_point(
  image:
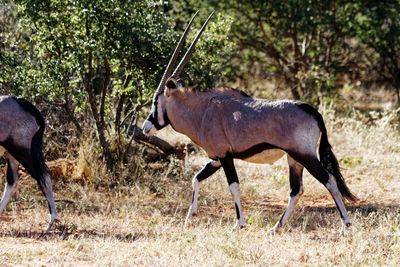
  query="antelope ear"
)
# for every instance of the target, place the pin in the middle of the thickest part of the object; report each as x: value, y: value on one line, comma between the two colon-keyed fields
x: 171, y: 85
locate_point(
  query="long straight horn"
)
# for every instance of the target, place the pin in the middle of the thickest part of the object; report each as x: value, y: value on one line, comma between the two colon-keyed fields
x: 189, y: 52
x: 172, y: 61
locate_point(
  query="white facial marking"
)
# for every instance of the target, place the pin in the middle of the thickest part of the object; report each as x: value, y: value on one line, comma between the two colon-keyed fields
x: 149, y: 129
x: 160, y: 113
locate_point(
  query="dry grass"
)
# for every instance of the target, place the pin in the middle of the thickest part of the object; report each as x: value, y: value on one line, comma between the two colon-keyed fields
x: 141, y: 223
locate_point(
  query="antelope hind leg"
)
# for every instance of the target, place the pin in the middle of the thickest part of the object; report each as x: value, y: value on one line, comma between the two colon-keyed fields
x: 296, y: 187
x: 11, y: 181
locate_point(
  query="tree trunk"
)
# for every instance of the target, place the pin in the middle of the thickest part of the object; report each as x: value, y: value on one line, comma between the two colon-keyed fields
x: 67, y: 106
x: 295, y: 92
x: 120, y: 105
x: 93, y: 106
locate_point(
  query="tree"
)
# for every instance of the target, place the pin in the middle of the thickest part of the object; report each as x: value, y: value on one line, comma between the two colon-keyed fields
x: 307, y: 46
x: 105, y: 57
x: 378, y: 26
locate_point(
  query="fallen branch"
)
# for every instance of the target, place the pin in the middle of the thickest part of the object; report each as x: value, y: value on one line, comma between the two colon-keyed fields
x: 161, y: 144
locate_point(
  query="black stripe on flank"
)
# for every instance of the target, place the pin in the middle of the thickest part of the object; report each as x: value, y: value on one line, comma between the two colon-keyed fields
x: 254, y: 150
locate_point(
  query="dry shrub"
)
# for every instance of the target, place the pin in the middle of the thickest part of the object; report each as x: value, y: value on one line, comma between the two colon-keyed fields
x: 133, y: 163
x: 76, y: 169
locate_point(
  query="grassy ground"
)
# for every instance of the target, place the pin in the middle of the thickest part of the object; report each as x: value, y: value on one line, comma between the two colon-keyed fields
x: 142, y: 224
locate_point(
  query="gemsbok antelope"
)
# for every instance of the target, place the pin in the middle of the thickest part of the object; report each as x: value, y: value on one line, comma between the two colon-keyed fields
x: 21, y: 140
x: 229, y: 124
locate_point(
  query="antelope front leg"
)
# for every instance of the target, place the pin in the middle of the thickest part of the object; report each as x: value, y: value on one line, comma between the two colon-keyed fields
x: 203, y: 174
x: 233, y: 181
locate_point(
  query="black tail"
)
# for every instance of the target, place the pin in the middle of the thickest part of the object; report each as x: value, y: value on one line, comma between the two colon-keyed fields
x: 38, y: 161
x: 327, y: 158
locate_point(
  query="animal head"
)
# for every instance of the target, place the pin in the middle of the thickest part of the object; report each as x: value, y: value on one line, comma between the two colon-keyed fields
x: 158, y: 118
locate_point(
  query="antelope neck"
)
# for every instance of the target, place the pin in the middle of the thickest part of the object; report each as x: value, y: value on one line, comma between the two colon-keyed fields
x: 185, y: 109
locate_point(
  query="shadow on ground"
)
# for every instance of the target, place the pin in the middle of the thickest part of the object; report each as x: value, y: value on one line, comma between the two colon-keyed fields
x: 270, y: 210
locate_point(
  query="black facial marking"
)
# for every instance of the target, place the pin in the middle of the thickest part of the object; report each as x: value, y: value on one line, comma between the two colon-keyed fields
x: 207, y: 171
x: 192, y: 196
x: 253, y: 151
x: 229, y: 169
x: 153, y: 116
x: 237, y: 211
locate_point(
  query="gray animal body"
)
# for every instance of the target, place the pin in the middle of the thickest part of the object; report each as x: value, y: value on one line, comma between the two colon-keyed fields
x: 229, y: 124
x: 21, y: 140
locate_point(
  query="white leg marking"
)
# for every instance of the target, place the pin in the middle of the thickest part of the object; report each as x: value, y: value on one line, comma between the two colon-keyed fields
x: 9, y: 189
x: 193, y: 207
x: 8, y: 192
x: 334, y: 190
x: 196, y: 191
x: 235, y: 191
x: 290, y: 208
x: 216, y: 163
x: 288, y: 212
x: 48, y: 191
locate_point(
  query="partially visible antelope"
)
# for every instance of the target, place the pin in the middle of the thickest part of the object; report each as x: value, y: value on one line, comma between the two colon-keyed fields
x: 21, y: 140
x: 229, y: 124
